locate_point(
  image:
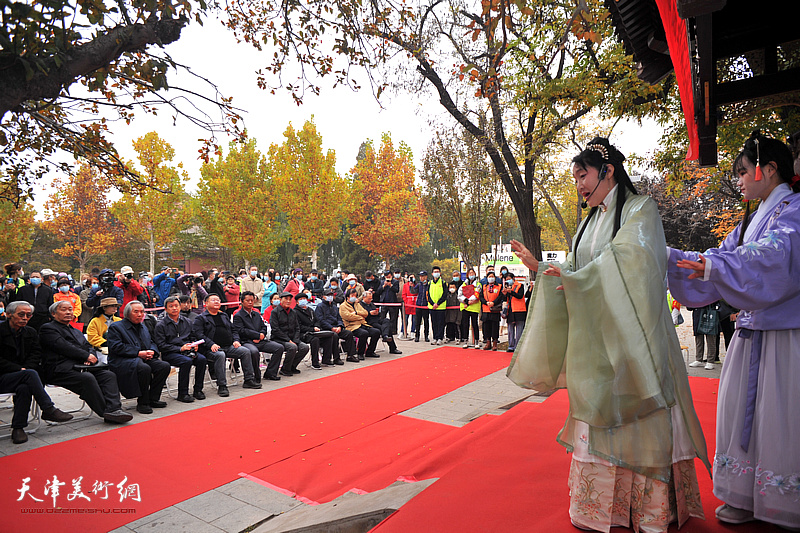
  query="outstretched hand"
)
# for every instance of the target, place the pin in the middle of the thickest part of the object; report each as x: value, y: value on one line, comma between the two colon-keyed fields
x: 524, y: 255
x: 698, y: 267
x: 553, y: 270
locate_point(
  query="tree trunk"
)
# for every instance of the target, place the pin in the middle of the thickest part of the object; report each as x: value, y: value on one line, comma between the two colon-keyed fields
x: 314, y: 259
x: 152, y: 246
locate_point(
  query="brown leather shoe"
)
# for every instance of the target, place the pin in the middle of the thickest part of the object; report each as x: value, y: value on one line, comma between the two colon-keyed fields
x: 488, y: 345
x: 494, y: 346
x: 18, y: 436
x: 56, y: 415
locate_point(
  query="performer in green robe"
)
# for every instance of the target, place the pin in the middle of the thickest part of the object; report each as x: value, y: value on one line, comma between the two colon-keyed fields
x: 599, y: 326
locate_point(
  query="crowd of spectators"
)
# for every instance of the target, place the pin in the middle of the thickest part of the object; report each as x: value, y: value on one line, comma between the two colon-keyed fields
x: 113, y: 334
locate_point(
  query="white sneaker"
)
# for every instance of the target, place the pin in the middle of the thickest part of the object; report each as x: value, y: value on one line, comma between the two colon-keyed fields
x: 709, y: 366
x: 438, y: 342
x: 695, y: 364
x: 465, y: 345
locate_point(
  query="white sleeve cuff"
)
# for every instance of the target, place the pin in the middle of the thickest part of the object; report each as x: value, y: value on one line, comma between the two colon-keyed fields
x: 707, y: 271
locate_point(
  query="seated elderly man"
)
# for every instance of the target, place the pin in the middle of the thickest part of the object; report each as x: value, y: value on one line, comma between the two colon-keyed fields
x: 327, y: 313
x: 216, y: 331
x: 354, y: 318
x: 64, y: 349
x: 175, y: 340
x: 20, y: 357
x: 378, y: 321
x: 133, y: 357
x: 286, y: 331
x: 311, y: 332
x: 250, y: 329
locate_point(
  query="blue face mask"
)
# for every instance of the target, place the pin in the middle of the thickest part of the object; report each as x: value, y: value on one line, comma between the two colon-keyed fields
x: 53, y: 284
x: 64, y: 289
x: 352, y: 282
x: 2, y: 310
x: 312, y: 278
x: 302, y: 303
x: 36, y: 281
x: 353, y: 299
x: 276, y: 303
x: 95, y: 286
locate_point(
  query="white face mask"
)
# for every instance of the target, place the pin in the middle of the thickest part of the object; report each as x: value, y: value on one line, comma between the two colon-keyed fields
x: 253, y: 273
x: 452, y: 289
x: 490, y: 279
x: 329, y: 299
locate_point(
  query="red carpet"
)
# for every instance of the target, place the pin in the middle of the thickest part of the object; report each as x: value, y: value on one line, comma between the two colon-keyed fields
x: 177, y: 457
x: 516, y: 480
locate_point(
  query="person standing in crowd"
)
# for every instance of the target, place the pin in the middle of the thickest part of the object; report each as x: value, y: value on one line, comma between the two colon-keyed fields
x: 371, y: 283
x: 215, y: 284
x: 40, y: 296
x: 492, y: 299
x: 148, y: 297
x: 314, y: 286
x: 336, y: 290
x: 354, y: 318
x: 388, y: 293
x: 727, y: 322
x: 469, y: 296
x: 14, y: 273
x: 705, y: 324
x: 130, y: 287
x: 87, y: 312
x: 421, y: 319
x: 232, y: 291
x: 409, y: 309
x: 62, y: 294
x: 601, y: 328
x: 755, y: 269
x: 175, y: 341
x: 452, y: 313
x: 163, y: 283
x: 254, y: 284
x: 514, y: 294
x: 351, y: 282
x: 270, y: 288
x: 437, y: 301
x: 191, y: 285
x: 295, y: 286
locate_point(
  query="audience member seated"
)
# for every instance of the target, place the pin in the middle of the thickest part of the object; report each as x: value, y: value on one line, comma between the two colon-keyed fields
x: 176, y: 342
x: 251, y: 331
x: 186, y: 308
x: 215, y: 330
x: 133, y: 357
x: 20, y: 359
x: 63, y: 349
x: 327, y: 313
x: 104, y: 315
x: 311, y: 333
x: 286, y: 330
x: 376, y: 320
x: 354, y: 317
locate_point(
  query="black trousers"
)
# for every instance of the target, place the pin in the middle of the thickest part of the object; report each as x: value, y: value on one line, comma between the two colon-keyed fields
x: 185, y: 363
x: 26, y: 385
x: 437, y: 323
x: 293, y: 354
x: 392, y: 313
x: 366, y: 334
x: 349, y: 340
x: 466, y: 318
x: 419, y: 319
x: 152, y: 376
x: 98, y: 388
x: 325, y: 340
x: 491, y: 328
x: 275, y: 349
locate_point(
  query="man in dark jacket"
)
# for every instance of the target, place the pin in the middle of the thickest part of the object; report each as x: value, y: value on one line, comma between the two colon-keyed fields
x: 327, y: 313
x: 133, y: 357
x: 40, y: 296
x: 20, y: 357
x: 387, y: 293
x: 315, y: 285
x: 311, y: 333
x: 421, y: 312
x: 286, y: 331
x: 216, y: 331
x: 106, y: 289
x: 371, y: 282
x: 64, y: 348
x: 375, y: 320
x: 250, y: 329
x: 175, y: 340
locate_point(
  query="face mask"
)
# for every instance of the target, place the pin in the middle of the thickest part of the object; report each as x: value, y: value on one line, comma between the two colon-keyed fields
x: 299, y: 277
x: 353, y: 299
x: 456, y: 278
x: 285, y: 277
x: 2, y: 310
x: 411, y: 280
x: 329, y: 299
x: 146, y: 279
x: 253, y: 273
x: 95, y: 286
x: 472, y: 277
x: 312, y: 278
x: 352, y: 282
x: 452, y: 289
x: 302, y: 303
x: 490, y: 279
x: 334, y: 287
x: 397, y: 276
x: 53, y: 284
x: 503, y: 272
x: 509, y: 282
x: 64, y: 289
x: 435, y: 275
x: 276, y: 303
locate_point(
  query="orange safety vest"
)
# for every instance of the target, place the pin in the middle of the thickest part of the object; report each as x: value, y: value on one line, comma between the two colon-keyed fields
x: 517, y: 304
x: 490, y: 294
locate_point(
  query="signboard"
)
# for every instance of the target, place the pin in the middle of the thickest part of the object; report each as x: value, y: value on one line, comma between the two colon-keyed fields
x: 503, y: 256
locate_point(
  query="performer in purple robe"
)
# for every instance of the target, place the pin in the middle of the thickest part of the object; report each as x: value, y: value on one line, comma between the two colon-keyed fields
x: 756, y: 269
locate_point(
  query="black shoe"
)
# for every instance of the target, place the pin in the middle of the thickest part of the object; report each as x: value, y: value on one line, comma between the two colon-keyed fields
x: 361, y: 357
x: 338, y: 362
x: 416, y: 339
x: 199, y: 395
x: 352, y: 359
x: 317, y: 367
x: 250, y: 384
x: 56, y: 415
x: 371, y: 355
x: 186, y: 398
x: 272, y: 378
x: 157, y: 404
x: 144, y: 409
x: 117, y: 417
x: 223, y: 391
x: 395, y: 352
x: 286, y: 373
x: 427, y: 339
x: 295, y: 371
x: 327, y: 363
x: 18, y: 436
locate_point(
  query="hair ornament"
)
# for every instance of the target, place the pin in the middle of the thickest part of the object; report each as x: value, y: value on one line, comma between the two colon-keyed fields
x: 597, y: 147
x: 759, y: 173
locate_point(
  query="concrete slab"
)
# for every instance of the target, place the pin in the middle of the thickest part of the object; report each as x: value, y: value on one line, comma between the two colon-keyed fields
x: 173, y: 520
x: 347, y: 514
x: 259, y: 496
x: 210, y: 505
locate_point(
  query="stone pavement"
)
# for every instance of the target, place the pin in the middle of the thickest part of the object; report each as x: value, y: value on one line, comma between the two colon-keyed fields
x: 245, y: 505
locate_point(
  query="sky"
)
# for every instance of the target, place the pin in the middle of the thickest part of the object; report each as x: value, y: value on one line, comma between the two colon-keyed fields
x: 343, y: 118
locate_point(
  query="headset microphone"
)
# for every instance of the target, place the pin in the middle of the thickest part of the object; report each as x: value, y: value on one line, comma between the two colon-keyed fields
x: 600, y: 178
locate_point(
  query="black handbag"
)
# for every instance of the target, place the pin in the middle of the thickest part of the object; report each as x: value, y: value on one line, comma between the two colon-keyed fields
x: 709, y: 322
